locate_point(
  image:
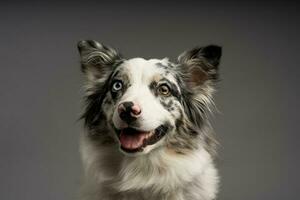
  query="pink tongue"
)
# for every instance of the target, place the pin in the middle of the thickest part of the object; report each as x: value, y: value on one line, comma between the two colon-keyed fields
x: 132, y: 140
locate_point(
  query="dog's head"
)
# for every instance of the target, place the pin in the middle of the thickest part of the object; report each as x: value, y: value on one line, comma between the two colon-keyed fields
x: 148, y: 104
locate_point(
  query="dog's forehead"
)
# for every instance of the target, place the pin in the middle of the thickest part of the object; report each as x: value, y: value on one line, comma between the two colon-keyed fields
x: 140, y: 69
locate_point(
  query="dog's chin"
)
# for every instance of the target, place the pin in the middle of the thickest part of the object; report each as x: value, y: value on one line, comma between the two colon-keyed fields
x: 136, y: 142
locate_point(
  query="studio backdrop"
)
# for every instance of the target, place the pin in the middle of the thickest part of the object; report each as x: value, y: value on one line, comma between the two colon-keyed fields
x: 257, y: 116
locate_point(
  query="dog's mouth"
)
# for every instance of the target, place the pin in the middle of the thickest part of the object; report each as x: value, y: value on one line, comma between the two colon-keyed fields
x: 133, y: 140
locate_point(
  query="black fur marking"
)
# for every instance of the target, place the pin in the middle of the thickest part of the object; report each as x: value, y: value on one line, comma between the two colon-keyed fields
x: 106, y: 101
x: 165, y: 67
x: 153, y: 87
x: 93, y: 111
x: 115, y: 95
x: 99, y: 134
x: 123, y: 77
x: 115, y: 73
x: 173, y: 88
x: 171, y: 109
x: 207, y: 58
x: 212, y: 53
x: 159, y: 133
x: 167, y: 105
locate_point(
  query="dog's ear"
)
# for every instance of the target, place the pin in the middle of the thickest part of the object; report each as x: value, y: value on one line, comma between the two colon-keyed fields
x: 199, y: 71
x: 200, y: 64
x: 97, y: 60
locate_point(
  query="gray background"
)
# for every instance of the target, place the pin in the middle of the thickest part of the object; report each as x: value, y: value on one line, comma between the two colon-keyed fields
x: 41, y: 87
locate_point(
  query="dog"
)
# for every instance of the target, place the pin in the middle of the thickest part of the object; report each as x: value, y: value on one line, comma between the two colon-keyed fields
x: 147, y: 133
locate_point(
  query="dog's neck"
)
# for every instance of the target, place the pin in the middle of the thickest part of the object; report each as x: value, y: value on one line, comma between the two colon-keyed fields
x: 161, y: 170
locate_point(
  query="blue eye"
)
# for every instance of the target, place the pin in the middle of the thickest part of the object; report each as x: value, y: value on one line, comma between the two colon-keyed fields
x: 117, y: 85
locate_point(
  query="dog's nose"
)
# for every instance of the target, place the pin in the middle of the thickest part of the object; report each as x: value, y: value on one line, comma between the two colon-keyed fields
x: 129, y: 111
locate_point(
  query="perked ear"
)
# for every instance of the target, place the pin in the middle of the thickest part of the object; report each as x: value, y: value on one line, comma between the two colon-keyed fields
x: 200, y: 64
x: 97, y: 60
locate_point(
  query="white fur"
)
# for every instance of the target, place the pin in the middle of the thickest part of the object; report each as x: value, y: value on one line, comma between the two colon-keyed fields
x: 180, y: 177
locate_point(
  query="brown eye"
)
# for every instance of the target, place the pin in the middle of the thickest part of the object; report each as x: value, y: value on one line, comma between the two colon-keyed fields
x: 164, y: 90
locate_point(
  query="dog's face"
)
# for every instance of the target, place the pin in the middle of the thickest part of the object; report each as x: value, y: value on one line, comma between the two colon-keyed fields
x: 147, y: 104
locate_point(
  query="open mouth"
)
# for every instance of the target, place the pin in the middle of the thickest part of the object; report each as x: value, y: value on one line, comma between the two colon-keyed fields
x: 133, y: 140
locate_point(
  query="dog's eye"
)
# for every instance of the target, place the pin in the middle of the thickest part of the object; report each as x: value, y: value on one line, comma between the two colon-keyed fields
x: 116, y: 86
x: 164, y: 90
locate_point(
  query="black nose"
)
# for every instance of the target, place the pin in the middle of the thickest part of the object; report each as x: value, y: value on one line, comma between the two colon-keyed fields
x: 129, y: 111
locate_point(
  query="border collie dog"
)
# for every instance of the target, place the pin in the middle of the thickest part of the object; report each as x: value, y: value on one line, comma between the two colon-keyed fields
x: 147, y: 134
